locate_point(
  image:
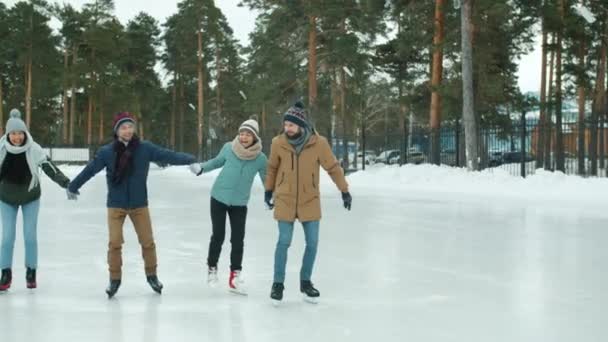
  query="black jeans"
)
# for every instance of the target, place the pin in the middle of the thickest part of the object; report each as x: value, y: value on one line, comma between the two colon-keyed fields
x: 238, y: 216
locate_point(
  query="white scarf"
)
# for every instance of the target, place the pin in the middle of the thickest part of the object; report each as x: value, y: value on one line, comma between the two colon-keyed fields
x: 249, y: 153
x: 34, y: 154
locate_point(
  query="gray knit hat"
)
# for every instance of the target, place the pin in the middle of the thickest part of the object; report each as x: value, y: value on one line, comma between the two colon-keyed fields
x: 14, y: 123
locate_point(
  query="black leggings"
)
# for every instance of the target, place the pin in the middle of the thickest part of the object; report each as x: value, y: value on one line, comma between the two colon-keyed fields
x: 238, y: 216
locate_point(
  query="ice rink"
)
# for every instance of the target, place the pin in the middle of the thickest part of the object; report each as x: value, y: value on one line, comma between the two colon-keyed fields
x: 403, y: 265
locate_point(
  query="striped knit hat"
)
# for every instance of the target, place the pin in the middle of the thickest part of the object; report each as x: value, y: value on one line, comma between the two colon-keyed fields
x: 251, y: 126
x: 121, y: 118
x: 297, y: 115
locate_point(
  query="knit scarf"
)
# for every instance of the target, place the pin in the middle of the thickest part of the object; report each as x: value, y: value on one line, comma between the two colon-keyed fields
x: 124, y: 159
x: 249, y: 153
x: 34, y: 154
x: 301, y: 140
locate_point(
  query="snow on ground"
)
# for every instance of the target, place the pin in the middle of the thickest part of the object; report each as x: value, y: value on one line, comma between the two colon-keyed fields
x: 427, y: 254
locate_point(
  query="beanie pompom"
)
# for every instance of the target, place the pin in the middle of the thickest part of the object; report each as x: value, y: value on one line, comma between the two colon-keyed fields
x: 15, y: 113
x: 299, y: 104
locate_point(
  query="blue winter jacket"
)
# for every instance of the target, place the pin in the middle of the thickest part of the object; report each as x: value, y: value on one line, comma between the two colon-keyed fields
x: 132, y: 192
x: 233, y: 185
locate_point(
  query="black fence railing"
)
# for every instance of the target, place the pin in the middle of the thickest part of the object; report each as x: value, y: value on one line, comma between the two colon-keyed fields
x: 519, y: 149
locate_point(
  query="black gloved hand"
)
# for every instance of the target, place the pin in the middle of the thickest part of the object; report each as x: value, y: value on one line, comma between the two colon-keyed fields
x: 268, y: 199
x: 347, y: 199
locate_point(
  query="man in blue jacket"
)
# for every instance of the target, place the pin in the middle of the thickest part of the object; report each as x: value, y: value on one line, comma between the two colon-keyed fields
x: 127, y: 162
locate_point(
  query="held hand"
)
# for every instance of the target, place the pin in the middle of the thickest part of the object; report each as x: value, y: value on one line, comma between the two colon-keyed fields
x: 71, y: 195
x: 196, y: 169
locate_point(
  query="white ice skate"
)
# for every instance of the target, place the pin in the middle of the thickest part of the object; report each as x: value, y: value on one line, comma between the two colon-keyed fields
x: 212, y: 277
x: 236, y: 284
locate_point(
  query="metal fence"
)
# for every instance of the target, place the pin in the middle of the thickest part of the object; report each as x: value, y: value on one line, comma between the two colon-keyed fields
x: 520, y: 148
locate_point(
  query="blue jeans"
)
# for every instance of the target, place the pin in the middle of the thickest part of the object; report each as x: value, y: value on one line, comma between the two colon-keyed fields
x: 9, y: 226
x: 311, y: 233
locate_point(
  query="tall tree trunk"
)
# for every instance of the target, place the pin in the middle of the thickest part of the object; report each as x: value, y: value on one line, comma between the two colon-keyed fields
x: 312, y: 67
x: 218, y: 81
x: 73, y: 93
x: 335, y: 96
x: 343, y: 104
x: 173, y: 111
x: 66, y: 104
x: 542, y: 129
x: 436, y: 78
x: 468, y: 98
x: 598, y: 105
x: 101, y: 137
x: 559, y: 137
x: 343, y: 115
x: 1, y: 109
x: 181, y: 105
x: 402, y: 119
x: 28, y: 86
x: 200, y: 94
x: 602, y: 147
x: 264, y: 117
x: 581, y: 110
x: 549, y: 114
x: 140, y: 118
x: 28, y: 93
x: 402, y: 102
x: 90, y: 121
x: 92, y: 90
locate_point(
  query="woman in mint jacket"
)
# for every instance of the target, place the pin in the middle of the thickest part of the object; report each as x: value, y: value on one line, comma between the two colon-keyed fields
x: 241, y: 160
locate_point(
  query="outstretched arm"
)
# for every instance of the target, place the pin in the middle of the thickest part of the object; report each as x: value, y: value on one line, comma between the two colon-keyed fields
x: 54, y: 173
x: 216, y: 162
x: 166, y: 156
x: 94, y: 166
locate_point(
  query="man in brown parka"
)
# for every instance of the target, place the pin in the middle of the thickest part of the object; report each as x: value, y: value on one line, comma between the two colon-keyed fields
x: 293, y: 178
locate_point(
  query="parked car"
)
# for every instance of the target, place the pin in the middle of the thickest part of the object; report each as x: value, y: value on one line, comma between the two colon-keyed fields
x: 414, y: 157
x: 495, y: 158
x: 370, y: 157
x: 388, y: 156
x: 515, y: 157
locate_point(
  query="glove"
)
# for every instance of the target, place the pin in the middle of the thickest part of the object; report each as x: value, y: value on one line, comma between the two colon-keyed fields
x: 196, y: 169
x: 72, y: 196
x: 268, y: 199
x: 347, y: 199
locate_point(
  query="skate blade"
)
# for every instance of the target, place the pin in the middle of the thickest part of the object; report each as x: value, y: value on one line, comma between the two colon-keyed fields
x: 310, y: 300
x: 212, y: 284
x: 275, y: 302
x: 237, y: 292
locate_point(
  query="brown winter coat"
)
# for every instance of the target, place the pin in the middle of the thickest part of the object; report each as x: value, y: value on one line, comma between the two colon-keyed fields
x: 295, y: 179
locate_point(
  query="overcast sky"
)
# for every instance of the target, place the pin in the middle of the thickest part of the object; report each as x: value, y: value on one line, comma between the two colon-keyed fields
x: 242, y: 22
